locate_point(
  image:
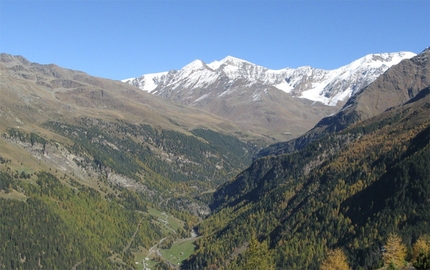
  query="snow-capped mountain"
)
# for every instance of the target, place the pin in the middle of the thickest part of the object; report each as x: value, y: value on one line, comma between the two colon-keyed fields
x: 280, y: 104
x: 198, y: 80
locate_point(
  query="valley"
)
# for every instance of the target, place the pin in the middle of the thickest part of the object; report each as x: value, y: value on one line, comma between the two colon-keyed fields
x: 105, y: 141
x: 214, y: 169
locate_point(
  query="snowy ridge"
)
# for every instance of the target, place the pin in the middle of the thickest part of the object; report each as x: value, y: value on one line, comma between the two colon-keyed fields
x: 147, y: 82
x: 198, y: 80
x: 344, y: 82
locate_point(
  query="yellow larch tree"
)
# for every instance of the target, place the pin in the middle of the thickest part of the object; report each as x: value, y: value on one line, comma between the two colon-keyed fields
x: 336, y: 260
x: 421, y: 253
x: 395, y: 251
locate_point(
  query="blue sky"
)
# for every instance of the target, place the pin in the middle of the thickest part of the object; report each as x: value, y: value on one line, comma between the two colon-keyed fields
x: 123, y: 39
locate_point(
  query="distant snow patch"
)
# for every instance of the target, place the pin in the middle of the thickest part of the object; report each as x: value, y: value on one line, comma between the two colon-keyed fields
x: 284, y: 87
x: 201, y: 98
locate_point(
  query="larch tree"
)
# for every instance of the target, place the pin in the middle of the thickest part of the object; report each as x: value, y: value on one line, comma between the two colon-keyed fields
x: 421, y: 253
x: 258, y: 256
x: 336, y: 260
x: 395, y: 251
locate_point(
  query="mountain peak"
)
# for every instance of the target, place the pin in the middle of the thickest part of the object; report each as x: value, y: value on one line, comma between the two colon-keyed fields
x: 326, y: 86
x: 376, y: 59
x: 232, y: 59
x: 228, y: 60
x: 7, y: 58
x: 196, y: 64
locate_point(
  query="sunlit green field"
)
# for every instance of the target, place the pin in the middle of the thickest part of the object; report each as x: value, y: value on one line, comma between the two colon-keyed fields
x: 179, y: 251
x: 173, y: 223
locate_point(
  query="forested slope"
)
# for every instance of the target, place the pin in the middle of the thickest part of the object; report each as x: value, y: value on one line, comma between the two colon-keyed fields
x: 59, y: 223
x: 347, y: 190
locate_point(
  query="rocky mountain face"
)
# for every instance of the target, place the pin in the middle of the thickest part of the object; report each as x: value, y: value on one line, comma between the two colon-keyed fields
x: 396, y: 86
x: 279, y: 103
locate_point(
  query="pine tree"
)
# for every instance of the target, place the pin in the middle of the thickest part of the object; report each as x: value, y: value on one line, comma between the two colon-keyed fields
x: 336, y: 260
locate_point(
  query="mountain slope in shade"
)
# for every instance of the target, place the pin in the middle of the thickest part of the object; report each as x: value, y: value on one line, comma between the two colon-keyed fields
x: 397, y: 85
x: 280, y: 104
